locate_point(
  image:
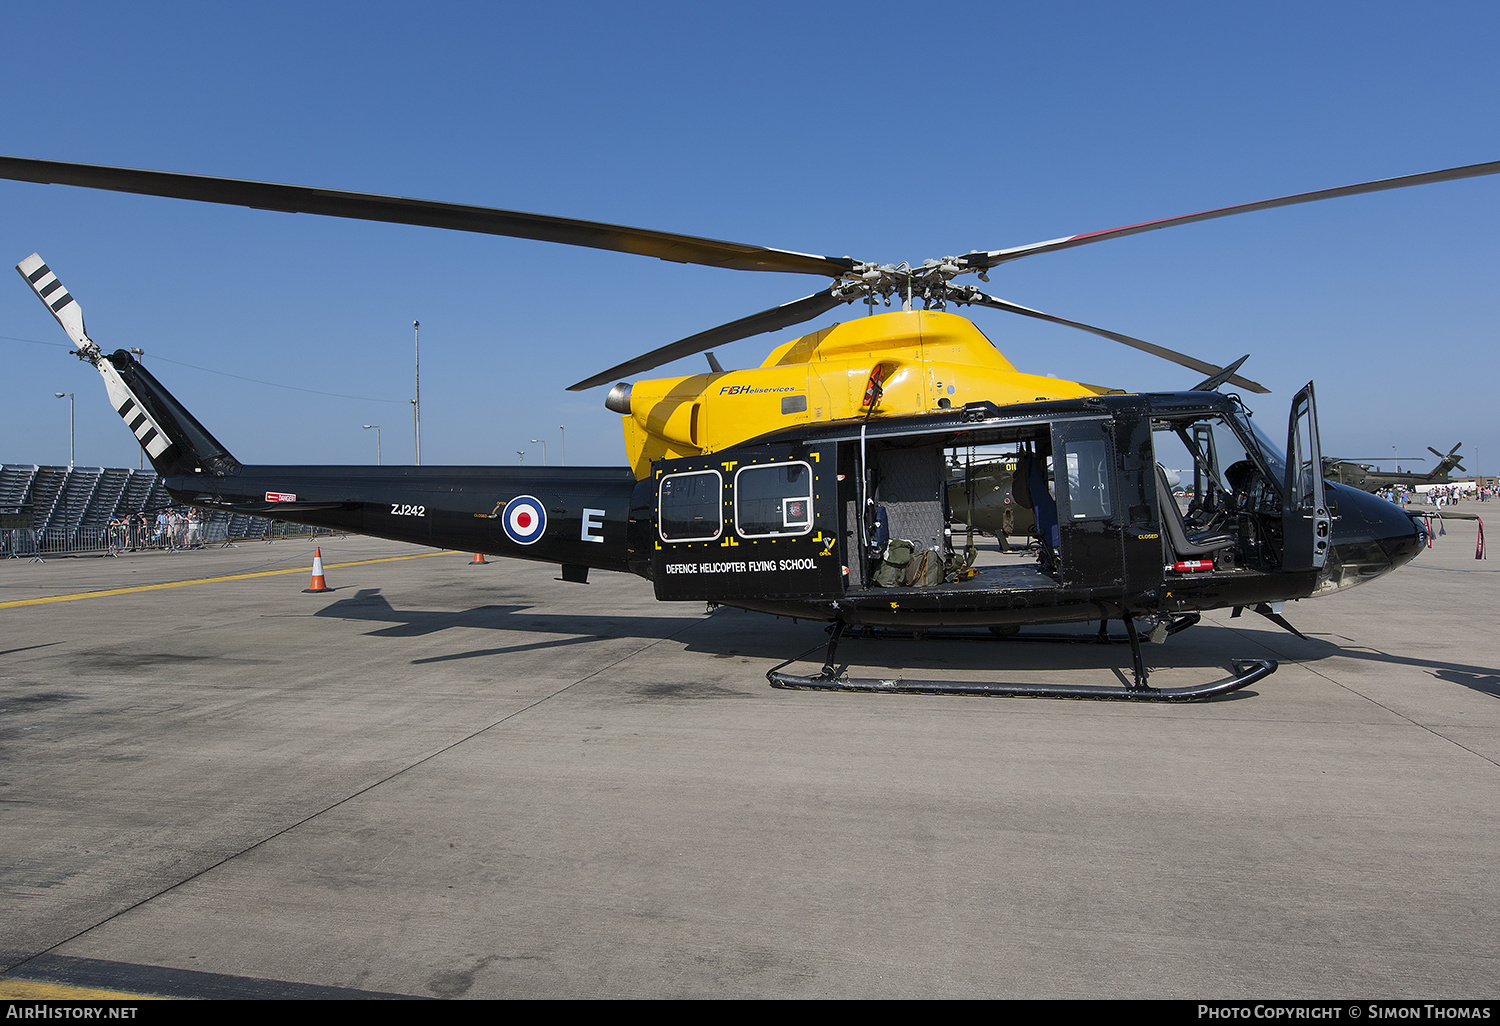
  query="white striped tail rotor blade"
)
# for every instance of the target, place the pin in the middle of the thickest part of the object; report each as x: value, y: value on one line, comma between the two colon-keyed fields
x: 51, y: 291
x: 70, y: 315
x: 141, y: 424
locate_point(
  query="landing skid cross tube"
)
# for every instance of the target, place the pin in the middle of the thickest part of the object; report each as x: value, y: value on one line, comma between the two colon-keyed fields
x: 1246, y: 672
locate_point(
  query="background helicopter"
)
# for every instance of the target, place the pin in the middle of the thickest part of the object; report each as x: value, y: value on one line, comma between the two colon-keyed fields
x: 1364, y: 476
x: 839, y: 446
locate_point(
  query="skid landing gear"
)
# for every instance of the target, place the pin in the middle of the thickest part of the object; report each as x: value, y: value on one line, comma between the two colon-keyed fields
x: 1246, y: 672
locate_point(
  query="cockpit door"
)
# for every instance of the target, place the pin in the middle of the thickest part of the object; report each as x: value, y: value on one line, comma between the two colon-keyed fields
x: 1304, y: 510
x: 1090, y: 524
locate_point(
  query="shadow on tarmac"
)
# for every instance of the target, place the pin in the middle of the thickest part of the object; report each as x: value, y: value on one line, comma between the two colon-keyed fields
x: 1484, y: 679
x: 757, y: 636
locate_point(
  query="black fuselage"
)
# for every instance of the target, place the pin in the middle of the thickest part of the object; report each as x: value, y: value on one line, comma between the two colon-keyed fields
x: 775, y: 524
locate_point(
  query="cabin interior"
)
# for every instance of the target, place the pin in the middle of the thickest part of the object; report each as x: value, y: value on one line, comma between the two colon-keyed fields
x: 989, y: 514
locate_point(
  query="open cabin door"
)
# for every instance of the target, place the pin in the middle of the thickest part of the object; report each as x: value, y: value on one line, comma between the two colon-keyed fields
x: 1304, y: 510
x: 1104, y: 473
x: 1088, y: 520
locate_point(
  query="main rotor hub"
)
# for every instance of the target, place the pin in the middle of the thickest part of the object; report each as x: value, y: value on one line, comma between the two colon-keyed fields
x: 929, y: 283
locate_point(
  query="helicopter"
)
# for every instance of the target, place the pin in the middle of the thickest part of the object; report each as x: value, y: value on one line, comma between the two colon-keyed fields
x: 817, y: 484
x: 1363, y: 475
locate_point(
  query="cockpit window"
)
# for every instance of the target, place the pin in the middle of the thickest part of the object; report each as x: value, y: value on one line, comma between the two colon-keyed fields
x: 1274, y: 457
x: 1220, y: 461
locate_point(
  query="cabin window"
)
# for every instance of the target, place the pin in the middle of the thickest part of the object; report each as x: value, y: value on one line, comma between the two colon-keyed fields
x: 1088, y: 467
x: 691, y: 506
x: 773, y: 500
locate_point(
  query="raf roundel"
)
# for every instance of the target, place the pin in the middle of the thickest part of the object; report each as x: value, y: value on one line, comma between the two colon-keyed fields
x: 525, y: 520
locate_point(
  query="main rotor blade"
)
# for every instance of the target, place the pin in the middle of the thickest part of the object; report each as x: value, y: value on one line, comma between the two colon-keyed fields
x: 1181, y: 359
x: 298, y: 199
x: 981, y: 260
x: 1212, y: 382
x: 783, y: 316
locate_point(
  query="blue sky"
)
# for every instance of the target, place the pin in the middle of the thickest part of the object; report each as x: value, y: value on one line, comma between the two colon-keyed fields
x: 882, y: 131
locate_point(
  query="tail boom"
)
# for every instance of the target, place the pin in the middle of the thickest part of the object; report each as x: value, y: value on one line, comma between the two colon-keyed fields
x: 573, y: 516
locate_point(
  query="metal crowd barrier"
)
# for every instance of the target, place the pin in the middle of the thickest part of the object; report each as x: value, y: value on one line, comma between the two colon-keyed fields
x: 18, y: 543
x: 47, y: 511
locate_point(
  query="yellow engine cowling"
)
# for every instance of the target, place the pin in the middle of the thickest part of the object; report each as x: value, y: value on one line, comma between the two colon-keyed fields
x: 929, y: 361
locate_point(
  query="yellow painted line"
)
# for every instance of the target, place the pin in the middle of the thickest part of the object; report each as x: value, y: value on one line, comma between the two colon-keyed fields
x: 205, y: 580
x: 30, y: 990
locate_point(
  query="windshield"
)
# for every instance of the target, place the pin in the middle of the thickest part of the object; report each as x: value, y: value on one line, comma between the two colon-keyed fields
x: 1269, y: 450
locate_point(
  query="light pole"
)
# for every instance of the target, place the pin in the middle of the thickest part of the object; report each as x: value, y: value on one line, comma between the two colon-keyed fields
x: 69, y: 396
x: 416, y: 403
x: 544, y: 448
x: 562, y: 459
x: 377, y: 441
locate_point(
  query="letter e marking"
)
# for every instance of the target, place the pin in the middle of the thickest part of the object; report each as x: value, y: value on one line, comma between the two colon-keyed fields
x: 592, y: 521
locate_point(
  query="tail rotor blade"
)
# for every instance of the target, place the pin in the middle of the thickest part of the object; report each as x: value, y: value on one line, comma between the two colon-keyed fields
x: 135, y: 413
x: 51, y: 292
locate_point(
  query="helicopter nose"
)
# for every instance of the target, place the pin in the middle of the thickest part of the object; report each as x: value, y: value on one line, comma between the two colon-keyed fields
x: 1371, y: 537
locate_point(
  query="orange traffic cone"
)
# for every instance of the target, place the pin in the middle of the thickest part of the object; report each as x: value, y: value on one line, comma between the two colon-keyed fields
x: 479, y: 560
x: 318, y: 584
